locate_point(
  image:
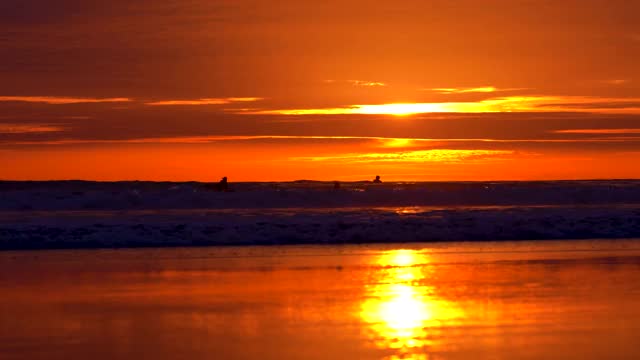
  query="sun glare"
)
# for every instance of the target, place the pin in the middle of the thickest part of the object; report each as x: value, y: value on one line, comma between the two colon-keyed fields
x: 402, y: 307
x: 492, y: 105
x: 397, y: 142
x: 401, y: 109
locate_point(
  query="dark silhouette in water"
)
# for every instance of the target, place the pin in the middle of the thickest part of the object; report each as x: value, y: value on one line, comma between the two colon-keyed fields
x: 222, y: 185
x: 377, y: 180
x: 336, y: 185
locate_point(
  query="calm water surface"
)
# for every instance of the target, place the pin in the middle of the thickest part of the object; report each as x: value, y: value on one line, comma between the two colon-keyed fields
x: 524, y: 300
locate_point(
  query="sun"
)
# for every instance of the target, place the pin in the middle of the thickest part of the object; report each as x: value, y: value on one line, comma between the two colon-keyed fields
x: 402, y: 109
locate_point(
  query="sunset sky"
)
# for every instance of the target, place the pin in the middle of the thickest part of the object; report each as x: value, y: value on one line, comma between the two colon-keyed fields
x: 327, y: 90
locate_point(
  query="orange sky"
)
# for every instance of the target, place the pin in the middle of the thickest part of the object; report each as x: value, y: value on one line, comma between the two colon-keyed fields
x: 283, y: 90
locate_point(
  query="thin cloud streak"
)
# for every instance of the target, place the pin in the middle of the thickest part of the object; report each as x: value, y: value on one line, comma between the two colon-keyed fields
x: 204, y: 101
x: 367, y: 83
x: 216, y: 138
x: 616, y: 81
x: 29, y: 128
x: 498, y: 104
x: 360, y: 83
x: 388, y: 142
x: 598, y: 131
x: 54, y: 100
x: 482, y: 89
x: 419, y: 156
x: 485, y: 89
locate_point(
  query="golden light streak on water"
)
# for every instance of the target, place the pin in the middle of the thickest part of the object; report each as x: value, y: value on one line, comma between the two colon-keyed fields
x: 402, y: 308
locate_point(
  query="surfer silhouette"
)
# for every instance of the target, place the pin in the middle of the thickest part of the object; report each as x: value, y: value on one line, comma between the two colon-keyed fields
x: 222, y: 185
x: 377, y: 180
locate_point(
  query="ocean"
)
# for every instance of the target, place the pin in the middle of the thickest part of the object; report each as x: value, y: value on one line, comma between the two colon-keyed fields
x: 81, y: 214
x: 389, y: 271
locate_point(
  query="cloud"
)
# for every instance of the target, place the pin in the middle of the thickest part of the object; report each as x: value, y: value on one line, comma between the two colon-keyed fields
x: 600, y: 105
x: 419, y: 156
x: 204, y: 101
x: 598, y: 131
x: 28, y: 128
x: 616, y: 81
x: 384, y: 141
x: 360, y: 83
x: 483, y: 89
x: 367, y: 83
x: 55, y: 100
x: 497, y: 104
x: 378, y: 141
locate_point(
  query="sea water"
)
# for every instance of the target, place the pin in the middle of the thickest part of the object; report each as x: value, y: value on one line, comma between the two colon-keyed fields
x: 73, y: 214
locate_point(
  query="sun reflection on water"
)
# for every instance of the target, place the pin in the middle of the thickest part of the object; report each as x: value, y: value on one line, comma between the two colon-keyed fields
x: 402, y: 309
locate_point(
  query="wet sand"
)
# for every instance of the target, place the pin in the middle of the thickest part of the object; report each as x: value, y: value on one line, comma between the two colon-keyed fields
x: 506, y: 300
